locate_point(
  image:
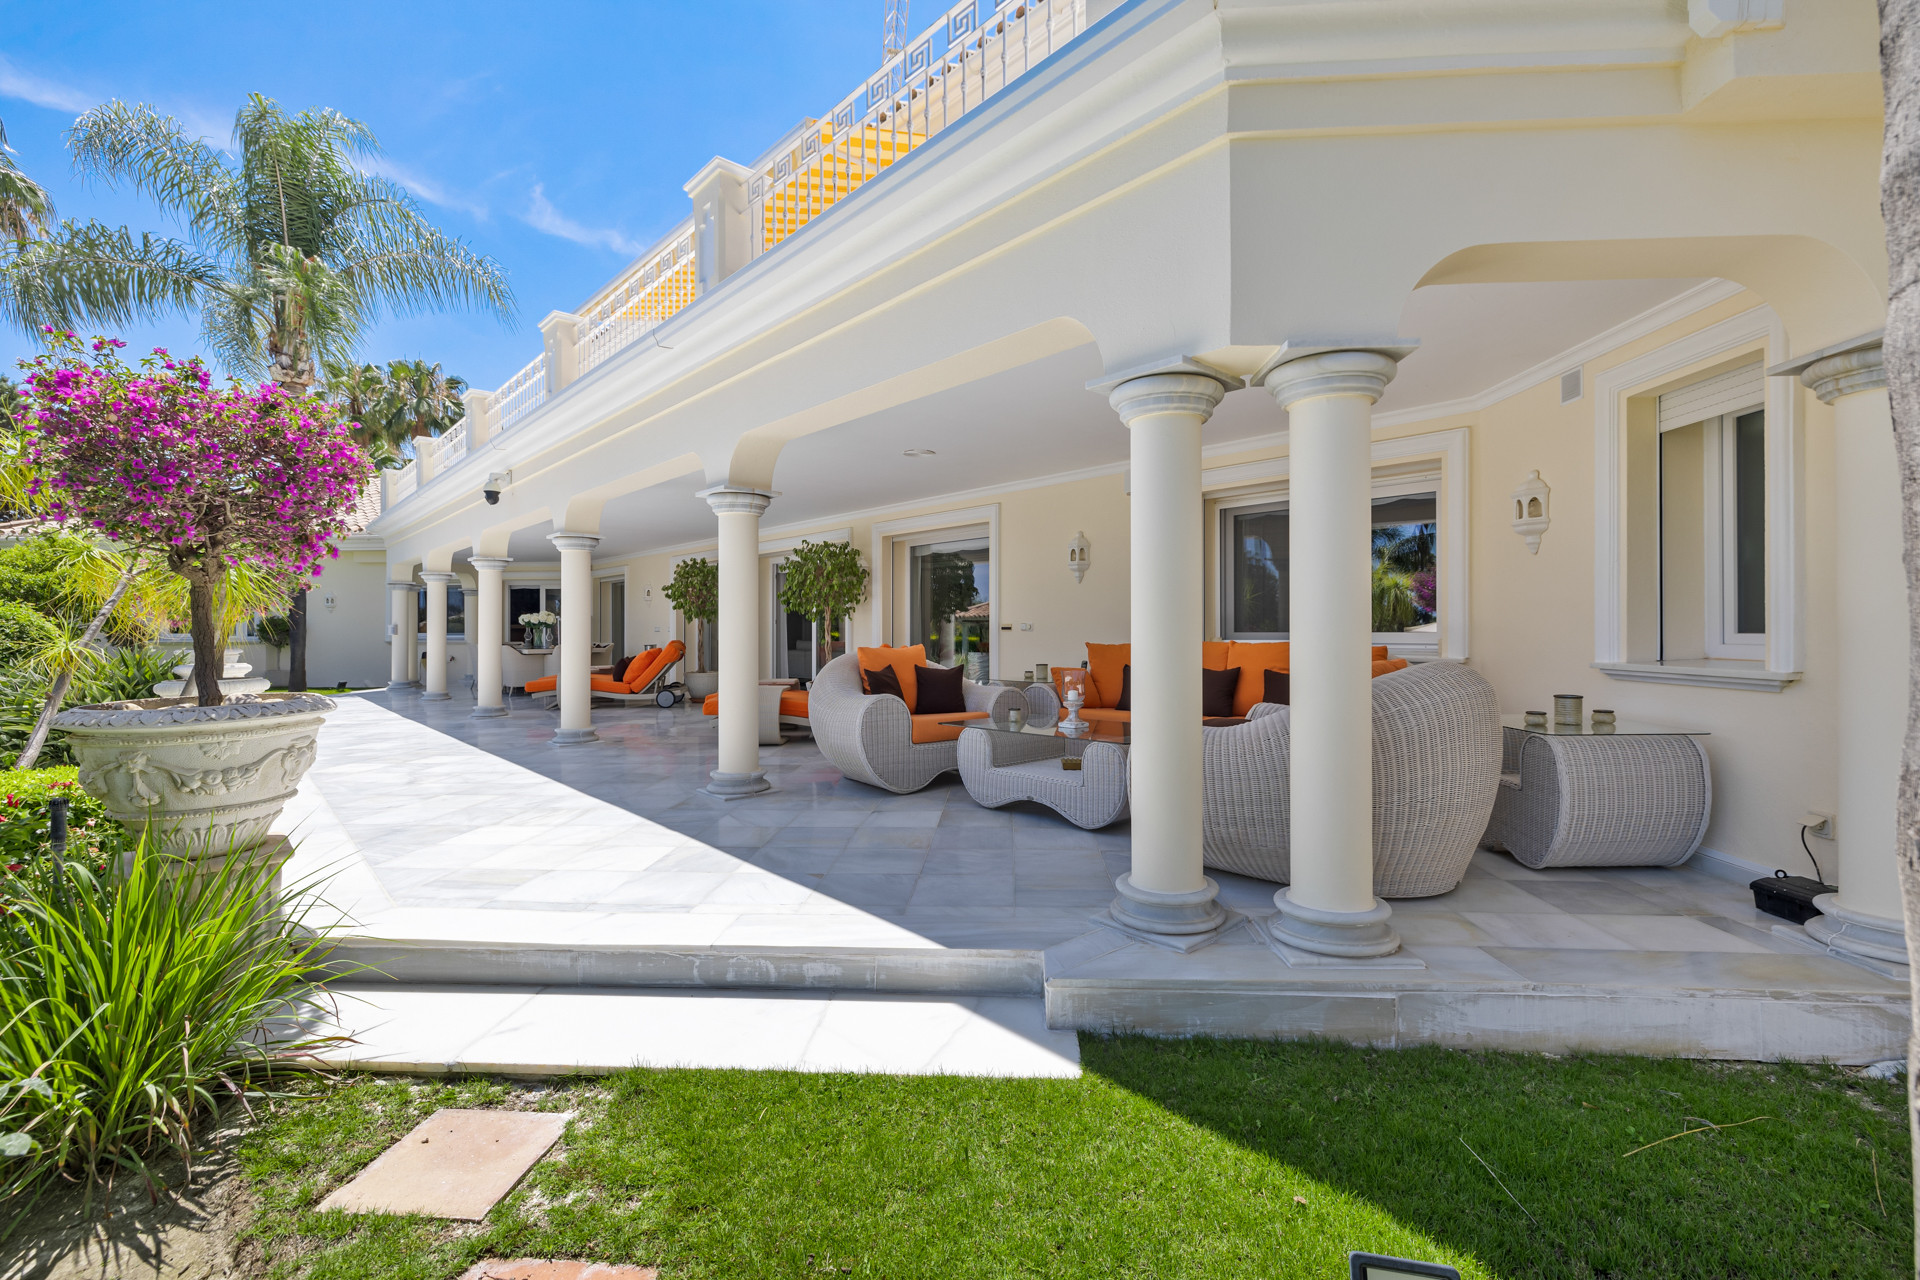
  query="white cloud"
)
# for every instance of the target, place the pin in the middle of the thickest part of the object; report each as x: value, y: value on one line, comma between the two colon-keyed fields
x: 542, y: 216
x: 41, y: 92
x: 435, y: 193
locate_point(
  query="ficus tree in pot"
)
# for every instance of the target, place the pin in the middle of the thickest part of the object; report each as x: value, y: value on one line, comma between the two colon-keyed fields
x: 695, y: 592
x: 161, y: 461
x: 824, y: 581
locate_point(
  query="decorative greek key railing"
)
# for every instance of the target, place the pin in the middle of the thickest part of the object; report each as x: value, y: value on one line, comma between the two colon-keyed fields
x: 660, y: 286
x: 975, y: 51
x: 524, y: 392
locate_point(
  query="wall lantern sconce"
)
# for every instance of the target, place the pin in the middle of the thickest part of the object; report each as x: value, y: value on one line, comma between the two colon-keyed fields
x: 1079, y: 556
x: 1532, y: 513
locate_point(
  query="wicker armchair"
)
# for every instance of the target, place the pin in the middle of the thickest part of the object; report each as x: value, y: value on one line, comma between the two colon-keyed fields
x: 869, y: 737
x: 1436, y: 768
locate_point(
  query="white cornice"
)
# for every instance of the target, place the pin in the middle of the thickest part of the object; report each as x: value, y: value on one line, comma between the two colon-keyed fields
x: 1650, y: 321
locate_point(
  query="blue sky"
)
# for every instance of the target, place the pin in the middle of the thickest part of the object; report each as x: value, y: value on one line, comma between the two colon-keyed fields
x: 554, y: 137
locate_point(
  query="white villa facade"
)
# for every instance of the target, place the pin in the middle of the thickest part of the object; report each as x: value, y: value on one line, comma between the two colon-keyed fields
x: 1592, y: 287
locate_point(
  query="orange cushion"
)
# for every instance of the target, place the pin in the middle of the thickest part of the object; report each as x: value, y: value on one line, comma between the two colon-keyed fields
x: 792, y: 703
x: 607, y: 684
x: 1382, y: 666
x: 928, y: 728
x: 1213, y: 654
x: 903, y: 660
x: 643, y: 668
x: 545, y: 684
x: 1106, y: 664
x: 1380, y: 653
x: 1255, y: 659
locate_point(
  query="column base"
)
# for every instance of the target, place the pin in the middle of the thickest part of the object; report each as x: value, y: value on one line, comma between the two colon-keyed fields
x: 1263, y: 928
x: 435, y: 695
x: 736, y: 786
x: 1181, y: 922
x: 396, y: 685
x: 1349, y: 934
x: 486, y: 713
x: 573, y: 737
x: 1848, y: 934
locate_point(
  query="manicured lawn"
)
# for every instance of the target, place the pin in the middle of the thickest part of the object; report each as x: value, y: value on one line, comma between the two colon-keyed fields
x: 1168, y: 1158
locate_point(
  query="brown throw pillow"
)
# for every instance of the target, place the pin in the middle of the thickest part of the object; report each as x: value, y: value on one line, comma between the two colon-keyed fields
x: 882, y: 680
x: 1279, y: 688
x: 1126, y: 689
x: 940, y: 692
x: 1216, y: 691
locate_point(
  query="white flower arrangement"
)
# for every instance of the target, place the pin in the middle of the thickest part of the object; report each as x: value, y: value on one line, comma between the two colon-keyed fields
x: 544, y: 618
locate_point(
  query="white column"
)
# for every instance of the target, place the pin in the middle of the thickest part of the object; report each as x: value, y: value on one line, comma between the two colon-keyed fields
x: 738, y: 511
x: 484, y: 623
x: 1864, y: 919
x: 576, y: 638
x: 1329, y: 907
x: 437, y: 584
x: 400, y: 670
x: 1166, y: 896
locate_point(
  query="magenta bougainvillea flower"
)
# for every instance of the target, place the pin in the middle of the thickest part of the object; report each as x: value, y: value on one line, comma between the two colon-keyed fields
x: 160, y: 458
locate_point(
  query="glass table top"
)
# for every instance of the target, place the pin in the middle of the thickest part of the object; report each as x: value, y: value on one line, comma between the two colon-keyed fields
x: 1104, y: 731
x: 1588, y: 729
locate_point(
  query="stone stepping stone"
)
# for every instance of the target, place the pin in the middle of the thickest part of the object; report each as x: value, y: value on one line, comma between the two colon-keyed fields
x: 455, y: 1164
x: 541, y: 1269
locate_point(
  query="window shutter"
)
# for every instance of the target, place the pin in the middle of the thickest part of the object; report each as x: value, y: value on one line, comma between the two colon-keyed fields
x: 1736, y: 389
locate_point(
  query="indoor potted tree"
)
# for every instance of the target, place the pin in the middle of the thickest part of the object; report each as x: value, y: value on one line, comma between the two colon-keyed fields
x: 695, y: 592
x: 205, y: 478
x: 824, y: 581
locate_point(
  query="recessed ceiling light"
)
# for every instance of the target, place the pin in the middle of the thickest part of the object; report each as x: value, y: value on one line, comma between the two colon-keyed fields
x: 917, y: 453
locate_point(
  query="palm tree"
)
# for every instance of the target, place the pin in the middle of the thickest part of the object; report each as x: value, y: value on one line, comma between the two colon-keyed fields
x: 366, y: 397
x: 426, y: 400
x: 292, y: 248
x: 26, y: 210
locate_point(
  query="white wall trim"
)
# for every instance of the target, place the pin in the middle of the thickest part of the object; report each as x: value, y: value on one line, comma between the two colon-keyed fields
x: 1786, y: 507
x: 779, y: 546
x: 1450, y: 447
x: 1652, y: 320
x: 884, y: 532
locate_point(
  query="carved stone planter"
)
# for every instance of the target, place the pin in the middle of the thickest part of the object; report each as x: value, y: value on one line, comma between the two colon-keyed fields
x: 212, y: 779
x: 701, y: 683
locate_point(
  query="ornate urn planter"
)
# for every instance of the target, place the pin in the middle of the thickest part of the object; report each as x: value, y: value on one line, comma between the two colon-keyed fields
x: 212, y: 779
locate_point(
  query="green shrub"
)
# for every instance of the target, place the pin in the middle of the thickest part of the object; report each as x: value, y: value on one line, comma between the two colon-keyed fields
x: 22, y: 693
x: 92, y: 837
x: 124, y: 675
x: 128, y: 1001
x: 36, y: 571
x: 24, y: 632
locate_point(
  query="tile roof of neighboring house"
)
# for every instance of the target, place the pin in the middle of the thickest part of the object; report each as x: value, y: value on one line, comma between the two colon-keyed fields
x: 366, y: 508
x: 979, y: 613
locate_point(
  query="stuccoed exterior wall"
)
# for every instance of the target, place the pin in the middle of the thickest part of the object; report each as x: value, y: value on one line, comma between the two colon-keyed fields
x: 347, y: 640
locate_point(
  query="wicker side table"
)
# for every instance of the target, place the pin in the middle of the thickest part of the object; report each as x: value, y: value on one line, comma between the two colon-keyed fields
x: 999, y: 765
x: 1634, y: 796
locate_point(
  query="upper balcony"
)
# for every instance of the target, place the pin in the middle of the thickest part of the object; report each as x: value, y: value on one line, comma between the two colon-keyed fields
x: 975, y: 50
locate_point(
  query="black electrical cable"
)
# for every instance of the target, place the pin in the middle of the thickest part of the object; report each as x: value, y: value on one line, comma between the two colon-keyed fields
x: 1810, y: 858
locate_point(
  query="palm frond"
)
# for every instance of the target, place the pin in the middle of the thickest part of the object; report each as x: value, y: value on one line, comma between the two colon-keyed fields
x: 116, y: 143
x: 90, y: 273
x: 390, y: 252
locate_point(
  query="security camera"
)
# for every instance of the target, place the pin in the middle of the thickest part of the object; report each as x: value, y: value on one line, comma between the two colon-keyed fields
x: 495, y: 483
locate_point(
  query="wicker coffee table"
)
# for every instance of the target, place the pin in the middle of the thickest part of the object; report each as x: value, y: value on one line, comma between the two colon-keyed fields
x: 1000, y: 764
x: 1623, y: 795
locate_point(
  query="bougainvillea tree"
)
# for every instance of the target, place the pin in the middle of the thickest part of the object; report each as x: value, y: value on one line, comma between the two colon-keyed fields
x: 159, y: 459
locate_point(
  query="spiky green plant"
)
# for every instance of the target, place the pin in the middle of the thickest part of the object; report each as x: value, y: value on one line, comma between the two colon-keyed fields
x: 138, y: 997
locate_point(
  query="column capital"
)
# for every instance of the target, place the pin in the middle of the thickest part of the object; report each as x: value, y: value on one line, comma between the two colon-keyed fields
x: 487, y: 564
x: 574, y: 541
x: 438, y: 575
x: 1305, y: 372
x: 1841, y: 369
x: 401, y: 584
x: 1160, y: 393
x: 726, y: 499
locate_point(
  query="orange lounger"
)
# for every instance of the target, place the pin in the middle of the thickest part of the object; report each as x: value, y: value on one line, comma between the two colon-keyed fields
x: 793, y: 707
x: 645, y: 670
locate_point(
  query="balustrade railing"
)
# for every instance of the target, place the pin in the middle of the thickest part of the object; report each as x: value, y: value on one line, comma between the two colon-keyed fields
x: 451, y: 446
x: 524, y: 392
x: 406, y: 482
x: 659, y: 287
x: 975, y: 51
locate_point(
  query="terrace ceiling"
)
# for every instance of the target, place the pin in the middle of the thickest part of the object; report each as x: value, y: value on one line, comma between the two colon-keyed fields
x: 1039, y: 420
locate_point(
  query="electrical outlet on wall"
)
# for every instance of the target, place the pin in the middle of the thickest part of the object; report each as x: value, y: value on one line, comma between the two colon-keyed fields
x: 1818, y: 824
x: 1026, y: 626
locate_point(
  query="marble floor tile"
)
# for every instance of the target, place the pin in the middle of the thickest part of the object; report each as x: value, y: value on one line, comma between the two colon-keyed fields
x: 1591, y: 899
x: 1537, y: 929
x: 1669, y: 933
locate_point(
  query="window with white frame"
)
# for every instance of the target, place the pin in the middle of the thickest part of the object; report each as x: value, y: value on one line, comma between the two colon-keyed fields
x: 1404, y: 550
x: 1713, y: 518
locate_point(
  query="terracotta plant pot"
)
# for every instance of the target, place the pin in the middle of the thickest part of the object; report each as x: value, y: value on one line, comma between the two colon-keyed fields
x: 212, y: 779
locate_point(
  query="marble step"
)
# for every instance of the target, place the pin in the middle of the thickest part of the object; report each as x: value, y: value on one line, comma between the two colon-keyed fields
x: 901, y: 971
